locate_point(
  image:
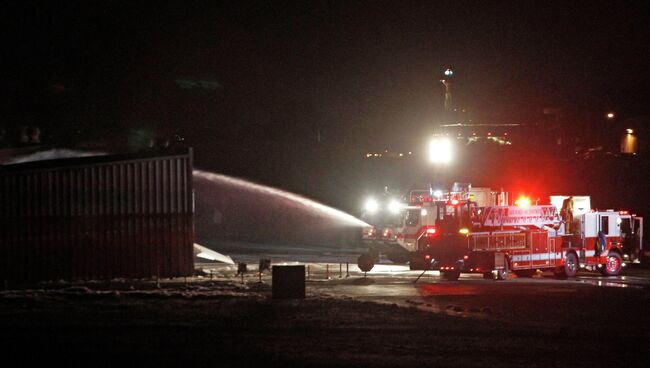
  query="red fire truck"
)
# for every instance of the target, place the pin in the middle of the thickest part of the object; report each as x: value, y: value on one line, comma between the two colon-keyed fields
x: 478, y: 231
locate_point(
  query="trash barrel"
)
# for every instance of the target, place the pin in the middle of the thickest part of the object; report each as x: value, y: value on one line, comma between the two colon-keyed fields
x: 288, y: 282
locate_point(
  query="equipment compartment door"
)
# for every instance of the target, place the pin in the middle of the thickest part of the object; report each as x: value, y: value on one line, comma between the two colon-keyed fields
x: 553, y: 247
x: 539, y: 244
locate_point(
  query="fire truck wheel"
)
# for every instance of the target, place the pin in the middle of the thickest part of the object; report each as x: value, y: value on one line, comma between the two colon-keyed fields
x: 451, y: 275
x: 366, y: 262
x: 374, y: 254
x: 613, y: 265
x: 503, y: 273
x: 570, y: 265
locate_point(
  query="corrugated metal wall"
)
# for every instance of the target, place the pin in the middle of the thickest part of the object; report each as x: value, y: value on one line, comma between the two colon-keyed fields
x: 97, y: 217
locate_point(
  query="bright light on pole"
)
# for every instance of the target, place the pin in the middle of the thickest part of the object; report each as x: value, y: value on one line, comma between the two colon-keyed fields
x: 440, y: 151
x: 610, y: 115
x: 371, y: 205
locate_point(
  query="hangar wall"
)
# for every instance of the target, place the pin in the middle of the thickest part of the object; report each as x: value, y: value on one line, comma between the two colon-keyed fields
x: 97, y: 217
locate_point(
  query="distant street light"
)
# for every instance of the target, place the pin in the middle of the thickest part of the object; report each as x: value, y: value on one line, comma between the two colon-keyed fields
x: 610, y: 115
x: 440, y: 150
x: 629, y: 143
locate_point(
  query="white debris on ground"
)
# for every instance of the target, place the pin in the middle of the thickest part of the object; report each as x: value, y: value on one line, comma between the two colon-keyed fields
x: 194, y: 288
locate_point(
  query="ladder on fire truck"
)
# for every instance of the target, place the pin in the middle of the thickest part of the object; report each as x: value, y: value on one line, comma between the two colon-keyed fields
x: 499, y: 217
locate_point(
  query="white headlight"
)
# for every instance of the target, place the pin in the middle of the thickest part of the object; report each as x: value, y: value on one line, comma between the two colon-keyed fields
x: 393, y: 206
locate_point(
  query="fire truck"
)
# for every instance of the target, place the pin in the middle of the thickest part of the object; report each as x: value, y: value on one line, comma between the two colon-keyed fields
x: 477, y: 230
x: 383, y: 214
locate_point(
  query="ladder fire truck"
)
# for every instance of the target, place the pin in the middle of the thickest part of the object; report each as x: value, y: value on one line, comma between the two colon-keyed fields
x: 476, y: 230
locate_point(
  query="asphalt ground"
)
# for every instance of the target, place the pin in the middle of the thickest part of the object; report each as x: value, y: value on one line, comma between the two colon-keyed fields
x: 381, y: 319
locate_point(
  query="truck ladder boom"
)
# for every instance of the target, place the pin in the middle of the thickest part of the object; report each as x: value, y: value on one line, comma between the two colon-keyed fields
x: 538, y: 216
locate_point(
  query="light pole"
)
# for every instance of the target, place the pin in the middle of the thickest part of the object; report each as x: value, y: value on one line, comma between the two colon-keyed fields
x: 449, y: 74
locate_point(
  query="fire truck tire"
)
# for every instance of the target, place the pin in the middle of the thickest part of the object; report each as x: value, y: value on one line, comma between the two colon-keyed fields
x: 570, y: 268
x: 503, y: 273
x: 451, y: 275
x: 644, y: 259
x: 366, y: 262
x: 613, y: 265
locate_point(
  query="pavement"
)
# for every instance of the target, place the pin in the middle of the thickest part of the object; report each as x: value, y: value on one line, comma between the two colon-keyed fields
x: 517, y: 299
x: 382, y: 319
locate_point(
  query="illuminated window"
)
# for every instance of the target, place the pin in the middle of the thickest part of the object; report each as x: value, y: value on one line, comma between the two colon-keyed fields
x: 604, y: 224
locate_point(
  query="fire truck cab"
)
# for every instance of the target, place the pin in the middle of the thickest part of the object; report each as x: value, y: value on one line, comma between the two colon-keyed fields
x: 620, y: 228
x: 435, y: 224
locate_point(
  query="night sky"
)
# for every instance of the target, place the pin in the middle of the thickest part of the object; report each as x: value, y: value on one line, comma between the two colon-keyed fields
x: 364, y: 74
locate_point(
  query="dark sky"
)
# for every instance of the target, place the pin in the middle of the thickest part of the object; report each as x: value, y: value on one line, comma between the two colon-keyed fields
x: 357, y: 69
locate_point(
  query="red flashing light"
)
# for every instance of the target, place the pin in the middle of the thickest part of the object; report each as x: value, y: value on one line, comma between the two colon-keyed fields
x: 623, y: 213
x: 455, y: 202
x: 430, y: 231
x: 427, y: 257
x: 523, y: 202
x: 420, y: 198
x: 465, y: 257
